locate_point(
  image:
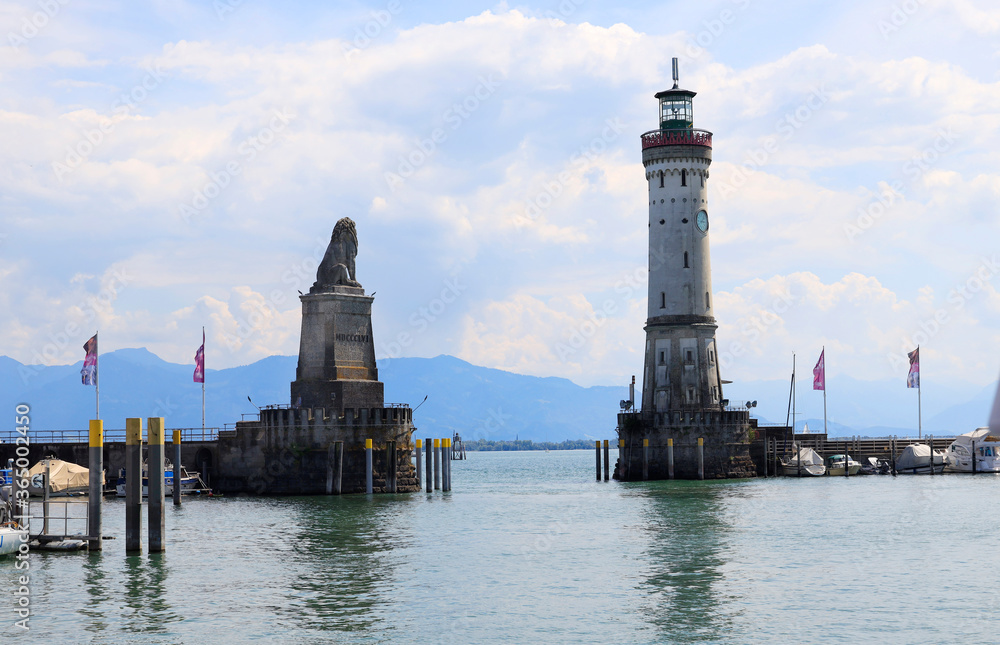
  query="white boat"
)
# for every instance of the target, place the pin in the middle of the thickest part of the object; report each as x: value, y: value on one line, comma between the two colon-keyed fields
x: 916, y: 460
x: 835, y: 465
x: 804, y: 463
x: 981, y: 445
x: 191, y: 482
x: 12, y: 536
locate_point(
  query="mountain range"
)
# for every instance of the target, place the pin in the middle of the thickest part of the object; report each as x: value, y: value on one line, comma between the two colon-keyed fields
x: 477, y: 402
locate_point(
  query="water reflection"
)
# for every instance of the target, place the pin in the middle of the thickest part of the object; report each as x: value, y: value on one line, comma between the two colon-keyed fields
x: 146, y: 606
x: 347, y: 560
x: 685, y: 559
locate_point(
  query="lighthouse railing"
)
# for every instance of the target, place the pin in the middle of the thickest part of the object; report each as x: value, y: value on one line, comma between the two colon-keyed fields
x: 680, y: 137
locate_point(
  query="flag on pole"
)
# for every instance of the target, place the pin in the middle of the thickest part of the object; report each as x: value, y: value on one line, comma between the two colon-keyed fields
x: 89, y: 371
x: 819, y: 372
x: 913, y: 377
x: 199, y: 361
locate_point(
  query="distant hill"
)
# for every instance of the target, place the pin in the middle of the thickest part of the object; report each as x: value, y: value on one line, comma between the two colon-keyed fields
x: 478, y: 402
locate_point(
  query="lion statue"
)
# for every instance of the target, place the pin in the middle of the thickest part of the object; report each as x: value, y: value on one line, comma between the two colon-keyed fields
x: 337, y: 267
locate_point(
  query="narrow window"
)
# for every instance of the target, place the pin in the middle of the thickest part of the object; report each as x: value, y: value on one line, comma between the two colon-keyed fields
x: 711, y: 357
x: 686, y: 260
x: 707, y: 304
x: 684, y: 178
x: 662, y: 358
x: 661, y: 179
x: 690, y: 356
x: 663, y: 300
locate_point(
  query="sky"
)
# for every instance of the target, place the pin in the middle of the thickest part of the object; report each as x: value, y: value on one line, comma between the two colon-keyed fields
x: 171, y: 165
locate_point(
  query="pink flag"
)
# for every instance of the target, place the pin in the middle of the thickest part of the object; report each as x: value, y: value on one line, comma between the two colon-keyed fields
x: 89, y: 371
x: 819, y: 372
x: 913, y: 376
x: 199, y: 361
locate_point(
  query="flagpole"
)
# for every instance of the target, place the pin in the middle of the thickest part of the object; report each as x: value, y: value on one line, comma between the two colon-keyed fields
x: 824, y: 390
x: 203, y: 386
x: 97, y: 380
x: 920, y: 428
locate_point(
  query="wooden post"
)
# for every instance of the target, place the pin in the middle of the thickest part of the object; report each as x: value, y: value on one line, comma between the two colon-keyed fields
x: 892, y: 454
x: 368, y: 466
x: 429, y: 470
x: 437, y: 464
x: 177, y: 468
x: 338, y: 467
x: 973, y: 457
x: 930, y: 442
x: 597, y: 449
x: 670, y: 458
x: 133, y: 485
x: 701, y: 458
x: 95, y: 498
x: 157, y: 482
x: 607, y: 460
x: 46, y: 485
x: 420, y: 483
x: 645, y: 459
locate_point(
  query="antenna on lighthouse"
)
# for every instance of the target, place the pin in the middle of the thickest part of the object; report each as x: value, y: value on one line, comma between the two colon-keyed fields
x: 676, y: 74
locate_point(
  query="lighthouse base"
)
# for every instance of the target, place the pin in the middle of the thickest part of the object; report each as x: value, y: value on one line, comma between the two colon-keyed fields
x: 725, y: 446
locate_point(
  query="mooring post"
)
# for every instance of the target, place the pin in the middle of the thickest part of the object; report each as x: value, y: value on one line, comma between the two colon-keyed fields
x: 930, y: 442
x: 368, y: 466
x: 847, y: 462
x: 670, y: 458
x: 607, y: 461
x: 973, y: 457
x: 338, y: 467
x: 892, y: 453
x: 420, y: 483
x: 133, y: 485
x: 429, y: 466
x: 597, y: 450
x: 95, y: 498
x: 437, y: 464
x: 446, y: 464
x: 390, y: 466
x: 177, y: 468
x: 645, y: 459
x: 701, y: 458
x: 45, y: 499
x: 157, y: 482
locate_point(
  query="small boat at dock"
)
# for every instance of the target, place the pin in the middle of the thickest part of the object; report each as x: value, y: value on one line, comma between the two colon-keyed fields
x: 806, y: 462
x: 191, y: 482
x: 979, y: 445
x: 835, y: 465
x: 916, y: 460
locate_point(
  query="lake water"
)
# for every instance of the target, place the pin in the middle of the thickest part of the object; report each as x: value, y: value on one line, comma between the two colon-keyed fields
x: 529, y: 548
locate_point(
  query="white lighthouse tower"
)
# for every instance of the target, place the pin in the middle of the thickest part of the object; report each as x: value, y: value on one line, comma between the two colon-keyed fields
x: 682, y: 405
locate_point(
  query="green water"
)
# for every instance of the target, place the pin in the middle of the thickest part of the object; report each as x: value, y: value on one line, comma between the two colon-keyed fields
x: 528, y: 548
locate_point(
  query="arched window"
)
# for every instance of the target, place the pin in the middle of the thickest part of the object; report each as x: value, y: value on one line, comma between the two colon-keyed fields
x: 707, y: 303
x: 661, y: 179
x: 663, y: 300
x: 686, y: 260
x: 684, y: 178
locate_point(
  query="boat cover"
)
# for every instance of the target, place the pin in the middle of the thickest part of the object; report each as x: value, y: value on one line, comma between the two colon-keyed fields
x: 916, y: 456
x: 809, y: 457
x: 62, y: 475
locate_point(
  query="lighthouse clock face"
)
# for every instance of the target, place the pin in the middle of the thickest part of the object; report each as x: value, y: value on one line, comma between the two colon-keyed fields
x: 702, y: 221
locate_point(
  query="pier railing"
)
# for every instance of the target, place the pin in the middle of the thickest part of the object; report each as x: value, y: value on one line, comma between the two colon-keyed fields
x: 110, y: 436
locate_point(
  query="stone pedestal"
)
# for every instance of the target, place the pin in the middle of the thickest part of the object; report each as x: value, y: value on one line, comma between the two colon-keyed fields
x: 336, y: 367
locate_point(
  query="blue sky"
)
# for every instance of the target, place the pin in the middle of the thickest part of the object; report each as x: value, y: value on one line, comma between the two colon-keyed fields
x: 490, y: 156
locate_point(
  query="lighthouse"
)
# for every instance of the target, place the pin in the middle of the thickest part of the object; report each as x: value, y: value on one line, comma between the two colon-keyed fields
x: 682, y: 398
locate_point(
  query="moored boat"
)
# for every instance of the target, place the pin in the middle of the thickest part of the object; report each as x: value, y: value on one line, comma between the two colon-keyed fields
x: 806, y: 462
x: 835, y: 465
x: 916, y: 460
x: 191, y: 482
x: 12, y: 536
x: 979, y: 445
